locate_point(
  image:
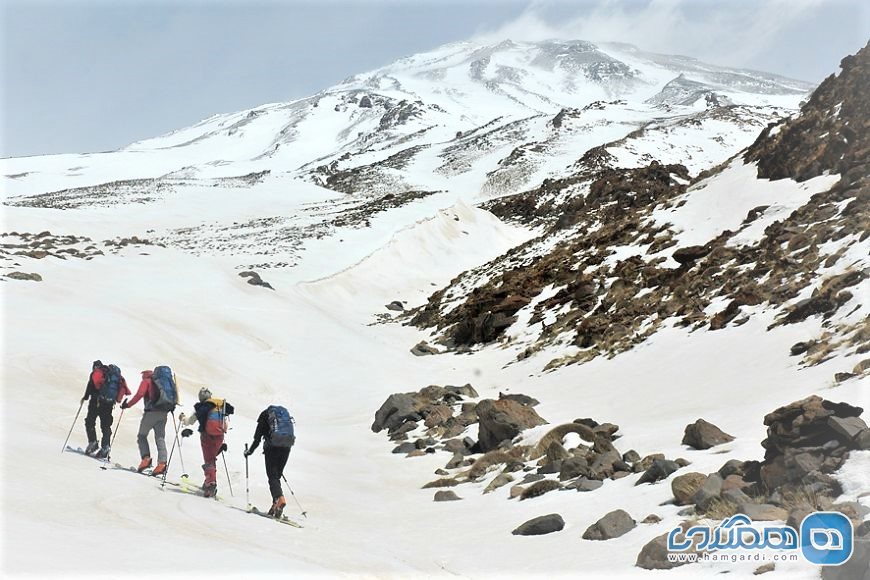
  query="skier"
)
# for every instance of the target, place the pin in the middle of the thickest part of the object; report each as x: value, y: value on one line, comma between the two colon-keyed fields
x: 101, y: 382
x: 211, y: 413
x: 275, y: 425
x: 153, y: 419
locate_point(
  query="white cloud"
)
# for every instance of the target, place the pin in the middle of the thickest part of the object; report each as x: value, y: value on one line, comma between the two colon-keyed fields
x: 729, y: 32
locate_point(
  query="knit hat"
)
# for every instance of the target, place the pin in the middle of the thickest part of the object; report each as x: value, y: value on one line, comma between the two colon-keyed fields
x: 97, y: 364
x: 204, y: 394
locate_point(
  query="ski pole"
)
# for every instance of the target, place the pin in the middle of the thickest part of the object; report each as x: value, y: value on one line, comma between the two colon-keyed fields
x: 180, y: 454
x: 82, y: 404
x: 229, y: 482
x: 112, y: 442
x: 304, y: 513
x: 247, y: 485
x: 171, y: 452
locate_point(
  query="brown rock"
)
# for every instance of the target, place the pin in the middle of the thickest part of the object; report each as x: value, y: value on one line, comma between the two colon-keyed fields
x: 502, y: 421
x: 704, y: 435
x: 685, y: 486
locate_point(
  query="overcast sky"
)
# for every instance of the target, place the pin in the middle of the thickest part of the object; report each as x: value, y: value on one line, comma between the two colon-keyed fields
x: 81, y: 76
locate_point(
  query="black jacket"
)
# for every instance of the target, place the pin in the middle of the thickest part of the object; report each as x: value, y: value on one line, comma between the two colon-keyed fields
x: 263, y: 430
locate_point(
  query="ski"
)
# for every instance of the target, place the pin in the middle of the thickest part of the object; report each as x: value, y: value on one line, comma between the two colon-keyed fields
x: 81, y: 451
x: 146, y: 472
x: 282, y: 520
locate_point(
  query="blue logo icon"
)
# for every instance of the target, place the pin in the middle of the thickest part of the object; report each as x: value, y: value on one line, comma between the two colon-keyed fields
x: 826, y: 538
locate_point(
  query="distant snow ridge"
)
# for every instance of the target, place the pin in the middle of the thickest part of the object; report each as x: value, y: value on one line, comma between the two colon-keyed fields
x: 471, y: 122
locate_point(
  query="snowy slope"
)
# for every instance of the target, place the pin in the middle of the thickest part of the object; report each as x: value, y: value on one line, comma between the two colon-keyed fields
x: 144, y: 272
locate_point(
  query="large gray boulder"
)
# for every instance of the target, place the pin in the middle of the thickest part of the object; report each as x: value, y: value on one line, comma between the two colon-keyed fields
x: 503, y: 420
x: 709, y: 492
x: 613, y: 525
x: 654, y: 555
x: 540, y: 525
x: 704, y: 435
x: 660, y: 469
x: 398, y: 408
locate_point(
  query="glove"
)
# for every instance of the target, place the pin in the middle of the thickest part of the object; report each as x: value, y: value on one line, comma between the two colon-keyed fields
x: 182, y: 418
x: 85, y: 398
x: 223, y: 447
x: 124, y: 404
x: 186, y: 432
x: 248, y: 452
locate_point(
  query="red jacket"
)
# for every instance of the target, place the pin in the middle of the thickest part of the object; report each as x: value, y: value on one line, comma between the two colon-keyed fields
x: 95, y: 383
x: 147, y: 389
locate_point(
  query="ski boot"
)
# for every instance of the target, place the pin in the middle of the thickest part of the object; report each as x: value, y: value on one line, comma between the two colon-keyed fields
x: 104, y: 451
x: 161, y: 467
x: 145, y: 464
x: 277, y: 508
x: 92, y: 448
x: 209, y: 490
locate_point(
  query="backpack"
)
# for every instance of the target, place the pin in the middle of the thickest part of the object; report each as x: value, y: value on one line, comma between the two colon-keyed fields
x: 216, y: 422
x: 108, y: 391
x: 167, y: 391
x: 281, y: 432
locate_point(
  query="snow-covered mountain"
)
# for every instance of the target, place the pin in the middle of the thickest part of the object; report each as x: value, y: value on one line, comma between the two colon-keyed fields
x: 576, y: 230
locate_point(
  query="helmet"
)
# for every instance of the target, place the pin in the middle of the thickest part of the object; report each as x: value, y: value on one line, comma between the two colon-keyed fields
x: 204, y: 394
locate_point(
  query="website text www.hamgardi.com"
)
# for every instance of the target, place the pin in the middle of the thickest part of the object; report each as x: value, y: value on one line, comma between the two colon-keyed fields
x: 691, y: 557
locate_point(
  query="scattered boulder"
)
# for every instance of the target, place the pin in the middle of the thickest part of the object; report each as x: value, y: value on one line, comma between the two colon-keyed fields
x: 857, y: 567
x: 612, y: 525
x: 539, y: 488
x: 806, y: 437
x: 572, y: 467
x: 709, y: 492
x: 395, y: 306
x: 503, y: 420
x: 646, y: 462
x: 24, y: 276
x: 541, y: 525
x: 704, y: 435
x: 422, y: 348
x: 465, y: 390
x: 731, y: 467
x: 763, y: 512
x: 847, y: 428
x: 499, y: 481
x: 660, y: 469
x: 519, y: 398
x: 396, y: 410
x: 686, y: 486
x: 254, y: 279
x: 651, y: 519
x: 764, y: 569
x: 446, y: 495
x: 689, y: 254
x: 584, y: 484
x: 654, y: 555
x: 631, y: 456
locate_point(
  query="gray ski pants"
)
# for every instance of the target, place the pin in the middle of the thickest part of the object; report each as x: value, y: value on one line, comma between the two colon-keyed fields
x: 155, y: 420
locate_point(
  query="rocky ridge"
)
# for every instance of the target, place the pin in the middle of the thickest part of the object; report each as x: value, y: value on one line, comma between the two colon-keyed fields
x: 572, y: 285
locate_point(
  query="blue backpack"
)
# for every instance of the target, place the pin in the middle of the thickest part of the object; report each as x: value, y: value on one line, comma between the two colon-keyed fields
x: 167, y: 392
x: 281, y: 432
x: 111, y: 383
